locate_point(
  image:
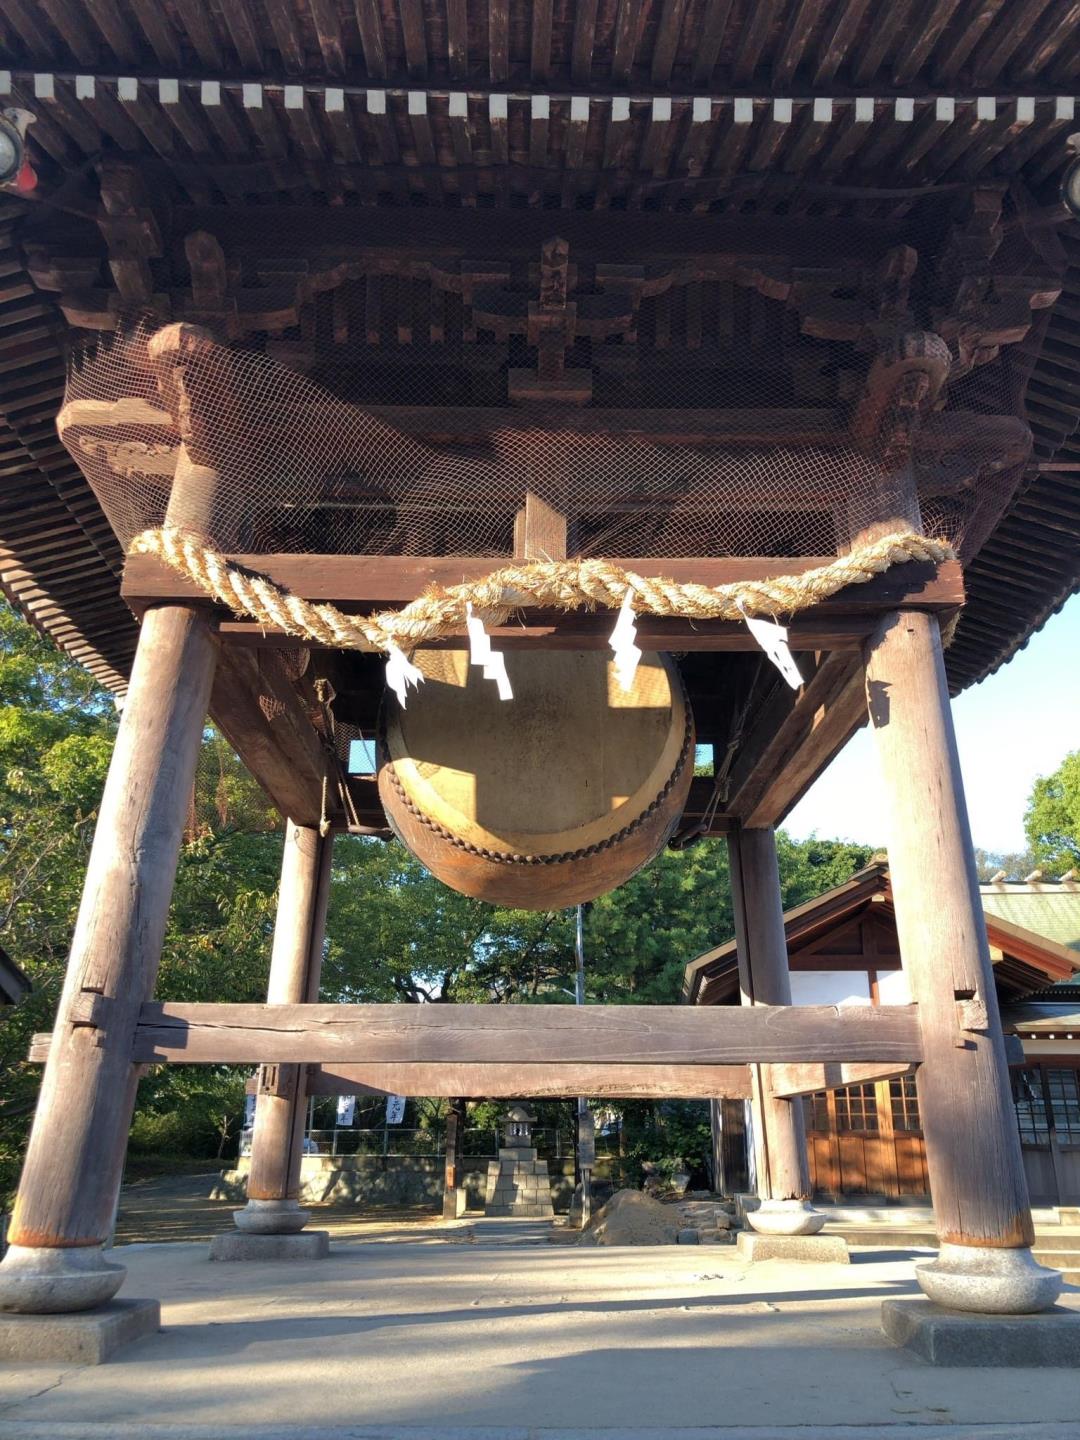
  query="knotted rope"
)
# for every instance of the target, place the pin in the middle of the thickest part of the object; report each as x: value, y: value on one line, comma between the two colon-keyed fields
x: 558, y: 584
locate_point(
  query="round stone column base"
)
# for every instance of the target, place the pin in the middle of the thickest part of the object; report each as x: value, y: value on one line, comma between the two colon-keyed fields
x: 54, y: 1280
x: 785, y: 1217
x: 271, y: 1217
x: 989, y: 1281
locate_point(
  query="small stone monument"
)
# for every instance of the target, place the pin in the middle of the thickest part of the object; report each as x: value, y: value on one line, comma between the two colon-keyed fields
x: 517, y: 1182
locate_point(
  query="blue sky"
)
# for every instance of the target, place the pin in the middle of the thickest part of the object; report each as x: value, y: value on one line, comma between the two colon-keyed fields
x: 1015, y: 726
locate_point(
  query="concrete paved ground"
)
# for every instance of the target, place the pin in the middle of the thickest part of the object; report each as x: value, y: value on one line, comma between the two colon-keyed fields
x: 506, y: 1337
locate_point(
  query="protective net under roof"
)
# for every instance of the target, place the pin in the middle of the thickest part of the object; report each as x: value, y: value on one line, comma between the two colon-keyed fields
x: 697, y: 410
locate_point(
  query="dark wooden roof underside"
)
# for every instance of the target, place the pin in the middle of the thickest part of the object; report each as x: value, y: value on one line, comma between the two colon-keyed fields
x: 421, y: 149
x: 679, y: 44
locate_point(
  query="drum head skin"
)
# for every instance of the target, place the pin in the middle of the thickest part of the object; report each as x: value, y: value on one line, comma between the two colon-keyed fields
x: 553, y: 797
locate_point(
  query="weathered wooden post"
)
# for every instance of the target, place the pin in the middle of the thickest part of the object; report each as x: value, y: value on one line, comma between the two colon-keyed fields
x: 273, y: 1215
x: 779, y: 1137
x: 973, y: 1153
x: 453, y: 1189
x: 75, y: 1157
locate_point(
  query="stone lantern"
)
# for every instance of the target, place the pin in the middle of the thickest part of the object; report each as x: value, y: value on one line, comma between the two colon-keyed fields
x: 517, y: 1126
x: 517, y: 1182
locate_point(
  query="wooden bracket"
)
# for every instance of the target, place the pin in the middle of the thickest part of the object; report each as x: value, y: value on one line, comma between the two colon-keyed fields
x: 787, y: 1082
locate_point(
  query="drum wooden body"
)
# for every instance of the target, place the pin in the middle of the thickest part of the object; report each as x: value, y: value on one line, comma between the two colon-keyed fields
x: 545, y: 800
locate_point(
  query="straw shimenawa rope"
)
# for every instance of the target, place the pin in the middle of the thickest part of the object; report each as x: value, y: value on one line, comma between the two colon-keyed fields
x: 562, y: 585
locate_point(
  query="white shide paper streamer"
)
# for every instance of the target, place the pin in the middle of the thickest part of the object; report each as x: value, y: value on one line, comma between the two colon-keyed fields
x: 401, y: 673
x: 623, y: 641
x: 773, y: 640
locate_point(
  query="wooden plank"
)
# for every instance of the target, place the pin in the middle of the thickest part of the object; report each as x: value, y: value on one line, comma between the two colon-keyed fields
x: 809, y: 1079
x: 256, y: 708
x: 540, y: 52
x: 607, y: 238
x: 369, y: 22
x: 353, y: 580
x: 286, y: 34
x: 457, y: 38
x: 498, y: 41
x: 841, y: 624
x: 581, y: 55
x: 325, y: 18
x: 666, y: 45
x: 514, y: 1034
x: 412, y: 29
x: 797, y: 35
x: 539, y: 1082
x: 625, y: 40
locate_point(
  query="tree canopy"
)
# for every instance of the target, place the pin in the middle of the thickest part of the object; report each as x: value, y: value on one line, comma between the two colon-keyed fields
x: 1052, y: 819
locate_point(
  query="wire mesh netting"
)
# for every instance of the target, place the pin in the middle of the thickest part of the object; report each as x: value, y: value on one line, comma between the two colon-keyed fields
x: 692, y: 409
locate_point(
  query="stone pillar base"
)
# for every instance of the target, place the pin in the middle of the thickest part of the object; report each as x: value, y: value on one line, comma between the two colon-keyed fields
x: 271, y: 1217
x: 952, y: 1337
x: 988, y: 1280
x: 306, y: 1245
x: 455, y: 1203
x: 518, y: 1184
x: 785, y: 1217
x: 57, y: 1280
x: 88, y: 1338
x: 819, y: 1249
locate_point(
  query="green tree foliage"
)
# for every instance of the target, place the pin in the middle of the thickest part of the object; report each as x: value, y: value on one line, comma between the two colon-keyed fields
x: 56, y: 735
x: 1052, y: 820
x: 394, y: 934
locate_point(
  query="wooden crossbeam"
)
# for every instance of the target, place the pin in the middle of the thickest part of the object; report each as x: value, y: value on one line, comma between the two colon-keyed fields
x: 796, y: 737
x: 369, y: 582
x: 538, y: 1082
x: 791, y: 1080
x: 464, y: 232
x: 206, y: 1034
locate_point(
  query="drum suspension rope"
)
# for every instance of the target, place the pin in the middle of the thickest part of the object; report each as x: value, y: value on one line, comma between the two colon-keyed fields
x: 564, y: 584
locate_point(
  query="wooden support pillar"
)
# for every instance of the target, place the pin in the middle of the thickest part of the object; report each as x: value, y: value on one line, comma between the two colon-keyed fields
x: 453, y: 1189
x: 779, y: 1137
x: 73, y: 1164
x: 295, y: 967
x: 973, y: 1152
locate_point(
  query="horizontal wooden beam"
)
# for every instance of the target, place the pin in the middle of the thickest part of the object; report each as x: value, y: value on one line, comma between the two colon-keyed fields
x: 470, y: 233
x: 535, y: 1081
x: 203, y: 1034
x: 699, y: 804
x: 365, y: 583
x: 788, y: 1081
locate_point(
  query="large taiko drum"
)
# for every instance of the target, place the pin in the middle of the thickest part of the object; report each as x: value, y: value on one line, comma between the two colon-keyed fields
x: 545, y: 800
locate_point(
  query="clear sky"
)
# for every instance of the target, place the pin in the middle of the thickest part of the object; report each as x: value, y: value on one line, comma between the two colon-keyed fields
x: 1015, y: 726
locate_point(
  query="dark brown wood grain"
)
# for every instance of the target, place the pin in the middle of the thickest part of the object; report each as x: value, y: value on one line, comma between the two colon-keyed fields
x: 809, y: 1079
x: 972, y: 1145
x: 354, y: 581
x: 88, y: 1089
x: 538, y: 1081
x: 206, y: 1034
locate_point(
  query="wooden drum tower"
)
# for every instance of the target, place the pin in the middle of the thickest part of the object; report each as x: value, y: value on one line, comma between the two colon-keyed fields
x: 401, y: 352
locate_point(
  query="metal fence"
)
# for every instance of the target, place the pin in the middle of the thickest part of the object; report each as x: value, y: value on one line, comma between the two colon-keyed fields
x: 477, y: 1144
